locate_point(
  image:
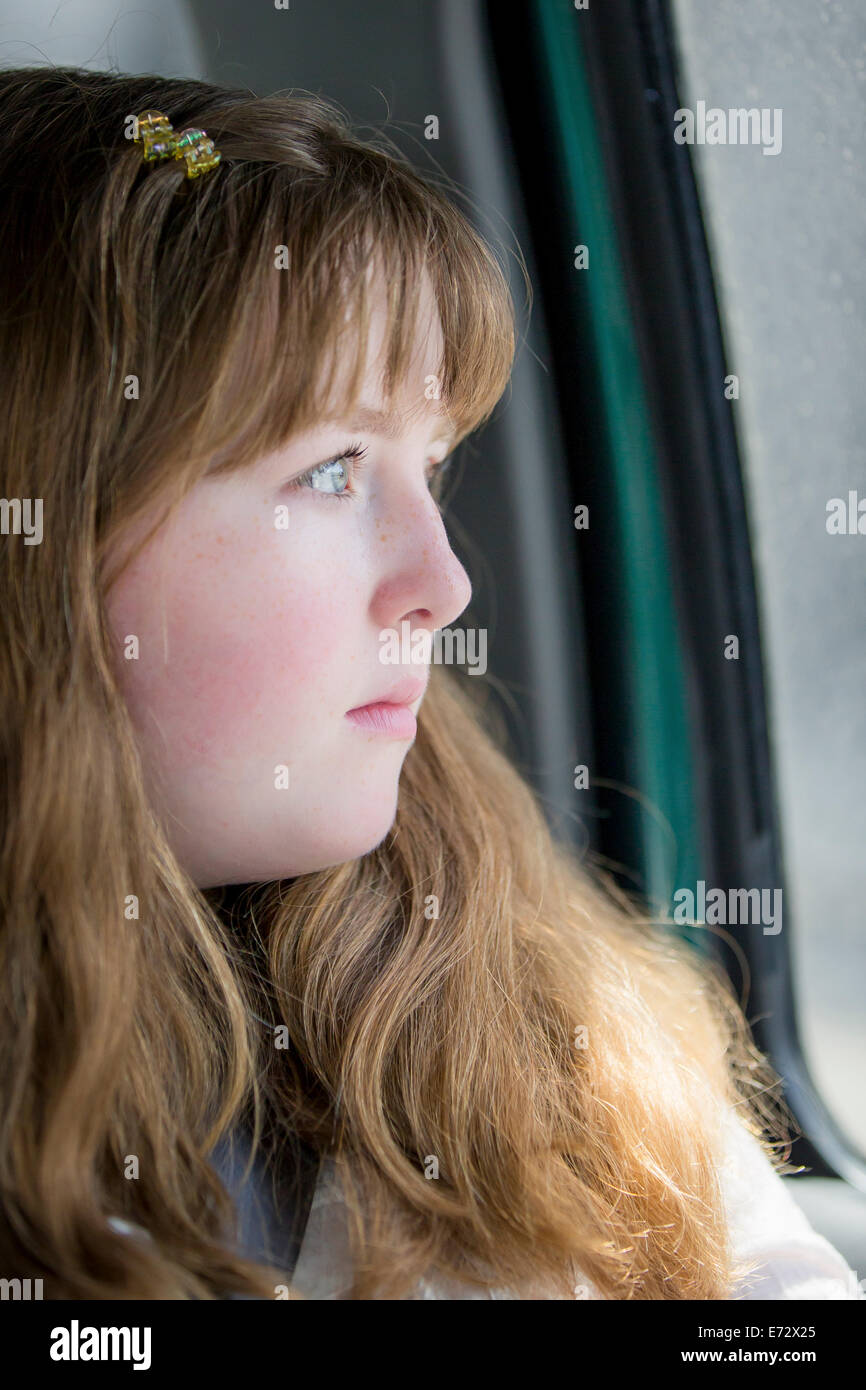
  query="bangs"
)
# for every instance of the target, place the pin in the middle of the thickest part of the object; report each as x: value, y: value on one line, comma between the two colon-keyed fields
x: 319, y: 259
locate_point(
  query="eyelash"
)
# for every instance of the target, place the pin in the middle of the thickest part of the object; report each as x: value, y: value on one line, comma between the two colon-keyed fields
x: 357, y: 453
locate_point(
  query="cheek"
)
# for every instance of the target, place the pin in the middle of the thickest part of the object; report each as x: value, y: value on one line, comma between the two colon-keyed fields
x: 238, y: 657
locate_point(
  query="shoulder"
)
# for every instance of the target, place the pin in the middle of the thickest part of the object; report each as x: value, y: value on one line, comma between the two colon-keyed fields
x: 769, y: 1230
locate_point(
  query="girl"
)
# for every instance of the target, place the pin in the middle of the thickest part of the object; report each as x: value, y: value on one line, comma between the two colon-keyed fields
x: 257, y: 923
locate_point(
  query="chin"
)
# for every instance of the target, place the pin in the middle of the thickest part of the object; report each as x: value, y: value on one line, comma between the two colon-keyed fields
x: 356, y: 846
x: 351, y: 840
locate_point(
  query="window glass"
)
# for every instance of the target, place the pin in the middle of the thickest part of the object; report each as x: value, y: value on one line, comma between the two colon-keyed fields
x: 785, y: 214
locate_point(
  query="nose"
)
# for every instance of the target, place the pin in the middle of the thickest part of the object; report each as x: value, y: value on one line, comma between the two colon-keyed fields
x: 421, y: 579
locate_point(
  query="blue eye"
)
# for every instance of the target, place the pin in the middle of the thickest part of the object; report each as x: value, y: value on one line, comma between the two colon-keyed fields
x: 335, y: 471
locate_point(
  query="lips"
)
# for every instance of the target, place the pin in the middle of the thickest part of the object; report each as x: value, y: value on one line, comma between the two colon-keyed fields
x: 402, y: 692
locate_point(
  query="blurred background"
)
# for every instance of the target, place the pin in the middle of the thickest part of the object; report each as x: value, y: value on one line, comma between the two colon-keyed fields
x: 691, y: 373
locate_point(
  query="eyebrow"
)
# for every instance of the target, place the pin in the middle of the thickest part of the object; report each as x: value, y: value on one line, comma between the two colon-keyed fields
x: 389, y: 424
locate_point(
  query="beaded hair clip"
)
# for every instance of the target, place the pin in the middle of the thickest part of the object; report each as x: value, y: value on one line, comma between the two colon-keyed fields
x: 155, y: 133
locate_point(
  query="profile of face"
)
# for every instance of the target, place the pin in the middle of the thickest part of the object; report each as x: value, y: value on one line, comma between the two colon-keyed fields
x: 256, y: 640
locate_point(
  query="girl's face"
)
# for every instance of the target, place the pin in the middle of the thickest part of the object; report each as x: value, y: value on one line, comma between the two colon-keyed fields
x: 256, y: 640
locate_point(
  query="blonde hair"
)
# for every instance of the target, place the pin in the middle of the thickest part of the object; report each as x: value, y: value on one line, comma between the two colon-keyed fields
x: 431, y: 989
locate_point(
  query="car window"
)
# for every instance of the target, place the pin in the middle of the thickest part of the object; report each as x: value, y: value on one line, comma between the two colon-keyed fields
x: 784, y: 216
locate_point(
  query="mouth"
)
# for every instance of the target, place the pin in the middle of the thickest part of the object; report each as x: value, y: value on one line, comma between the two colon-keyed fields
x: 391, y: 714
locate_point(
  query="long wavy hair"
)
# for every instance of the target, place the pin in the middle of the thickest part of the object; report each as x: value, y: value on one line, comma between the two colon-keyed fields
x: 562, y: 1056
